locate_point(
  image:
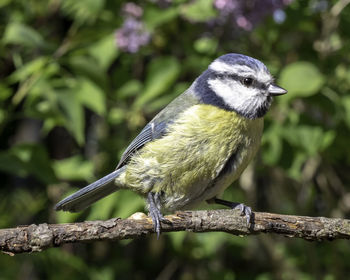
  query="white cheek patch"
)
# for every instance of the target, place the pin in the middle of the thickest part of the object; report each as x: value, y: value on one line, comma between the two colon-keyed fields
x: 238, y: 97
x: 229, y: 92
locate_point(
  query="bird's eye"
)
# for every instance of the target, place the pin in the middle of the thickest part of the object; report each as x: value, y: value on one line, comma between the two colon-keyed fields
x: 247, y: 81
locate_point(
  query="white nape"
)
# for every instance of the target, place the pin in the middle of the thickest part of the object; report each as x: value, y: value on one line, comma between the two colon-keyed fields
x: 222, y: 67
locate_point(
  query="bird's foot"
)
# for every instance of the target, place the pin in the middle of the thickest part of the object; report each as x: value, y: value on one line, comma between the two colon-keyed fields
x: 154, y: 212
x: 245, y: 210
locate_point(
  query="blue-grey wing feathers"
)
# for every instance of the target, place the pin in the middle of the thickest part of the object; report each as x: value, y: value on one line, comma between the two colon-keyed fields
x: 151, y: 131
x: 91, y: 193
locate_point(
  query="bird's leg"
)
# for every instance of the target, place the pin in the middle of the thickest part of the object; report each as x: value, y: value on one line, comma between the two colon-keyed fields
x: 245, y: 210
x: 153, y: 200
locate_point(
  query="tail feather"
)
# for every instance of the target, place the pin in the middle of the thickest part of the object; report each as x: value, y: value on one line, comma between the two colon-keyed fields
x: 89, y: 194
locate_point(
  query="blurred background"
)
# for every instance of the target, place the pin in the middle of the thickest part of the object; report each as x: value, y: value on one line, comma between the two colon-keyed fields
x: 80, y: 79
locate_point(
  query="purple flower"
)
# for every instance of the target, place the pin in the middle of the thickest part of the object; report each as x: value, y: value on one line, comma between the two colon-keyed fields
x: 247, y: 14
x: 243, y: 23
x: 131, y: 9
x: 225, y: 6
x: 133, y: 34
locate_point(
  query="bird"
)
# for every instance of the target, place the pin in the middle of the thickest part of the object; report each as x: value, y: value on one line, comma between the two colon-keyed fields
x: 194, y: 148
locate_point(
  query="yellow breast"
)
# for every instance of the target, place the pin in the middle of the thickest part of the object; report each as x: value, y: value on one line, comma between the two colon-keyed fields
x: 190, y: 163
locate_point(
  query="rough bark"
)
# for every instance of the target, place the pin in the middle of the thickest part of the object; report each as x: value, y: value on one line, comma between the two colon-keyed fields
x: 35, y: 238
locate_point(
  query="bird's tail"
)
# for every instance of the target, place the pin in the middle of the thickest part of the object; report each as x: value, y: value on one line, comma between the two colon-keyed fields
x: 89, y: 194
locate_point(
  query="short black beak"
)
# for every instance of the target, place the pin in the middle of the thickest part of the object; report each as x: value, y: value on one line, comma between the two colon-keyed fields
x: 274, y: 90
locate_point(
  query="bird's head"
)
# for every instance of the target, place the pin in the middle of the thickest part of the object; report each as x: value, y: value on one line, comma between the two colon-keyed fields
x: 238, y: 83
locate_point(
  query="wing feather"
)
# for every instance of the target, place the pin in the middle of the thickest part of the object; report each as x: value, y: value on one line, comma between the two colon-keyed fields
x: 150, y: 132
x: 158, y: 126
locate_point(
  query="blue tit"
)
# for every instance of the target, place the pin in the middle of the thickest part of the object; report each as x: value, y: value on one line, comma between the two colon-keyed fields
x: 197, y: 145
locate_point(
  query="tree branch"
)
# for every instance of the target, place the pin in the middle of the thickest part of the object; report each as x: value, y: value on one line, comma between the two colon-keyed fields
x: 35, y: 238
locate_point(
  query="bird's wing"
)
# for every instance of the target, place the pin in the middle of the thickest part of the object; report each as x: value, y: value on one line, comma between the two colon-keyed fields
x: 150, y: 132
x: 157, y: 127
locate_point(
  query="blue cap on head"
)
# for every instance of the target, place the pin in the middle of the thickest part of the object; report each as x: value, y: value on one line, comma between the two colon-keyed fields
x: 240, y: 59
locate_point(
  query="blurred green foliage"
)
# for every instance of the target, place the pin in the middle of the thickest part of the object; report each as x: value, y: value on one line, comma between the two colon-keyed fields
x: 71, y: 101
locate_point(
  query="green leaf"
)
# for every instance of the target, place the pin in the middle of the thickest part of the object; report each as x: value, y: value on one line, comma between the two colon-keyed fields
x: 104, y: 51
x: 301, y: 79
x: 200, y: 10
x: 36, y: 66
x: 5, y: 92
x: 83, y: 10
x: 66, y: 217
x: 4, y: 3
x: 107, y: 273
x: 161, y: 74
x: 91, y: 96
x: 82, y: 93
x: 128, y: 202
x: 12, y: 164
x: 206, y: 45
x: 154, y: 17
x: 272, y: 142
x: 73, y: 168
x: 119, y: 204
x: 103, y: 208
x: 327, y: 139
x: 162, y: 101
x: 21, y: 34
x: 36, y: 161
x: 28, y: 159
x: 294, y: 171
x: 346, y: 104
x: 84, y: 65
x: 311, y: 139
x: 2, y: 116
x: 130, y: 88
x: 209, y: 242
x: 73, y: 113
x: 177, y: 239
x: 116, y: 116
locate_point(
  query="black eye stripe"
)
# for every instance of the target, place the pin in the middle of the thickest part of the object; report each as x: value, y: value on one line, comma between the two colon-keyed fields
x: 255, y: 83
x: 227, y: 76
